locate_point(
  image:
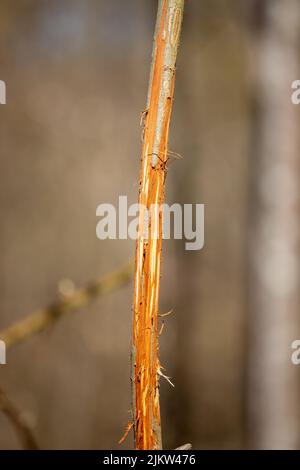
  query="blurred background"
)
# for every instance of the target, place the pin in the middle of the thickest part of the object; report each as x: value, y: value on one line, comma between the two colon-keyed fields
x: 77, y: 77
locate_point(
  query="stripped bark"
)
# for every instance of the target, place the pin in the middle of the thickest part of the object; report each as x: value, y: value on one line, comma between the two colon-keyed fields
x: 145, y: 362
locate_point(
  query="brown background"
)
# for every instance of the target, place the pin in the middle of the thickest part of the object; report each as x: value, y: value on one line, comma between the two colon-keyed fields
x: 76, y: 75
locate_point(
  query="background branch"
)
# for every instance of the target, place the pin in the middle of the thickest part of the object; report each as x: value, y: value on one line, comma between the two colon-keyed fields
x: 42, y: 319
x: 20, y: 425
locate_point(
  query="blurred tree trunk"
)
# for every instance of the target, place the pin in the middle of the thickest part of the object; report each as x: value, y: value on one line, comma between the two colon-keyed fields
x: 208, y: 300
x: 273, y: 251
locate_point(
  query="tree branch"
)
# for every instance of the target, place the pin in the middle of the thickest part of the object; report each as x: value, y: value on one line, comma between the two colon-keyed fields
x: 42, y: 319
x: 23, y: 430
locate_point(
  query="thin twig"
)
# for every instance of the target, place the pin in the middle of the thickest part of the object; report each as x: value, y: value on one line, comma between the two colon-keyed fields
x: 40, y: 320
x: 145, y: 363
x: 126, y: 432
x: 22, y: 428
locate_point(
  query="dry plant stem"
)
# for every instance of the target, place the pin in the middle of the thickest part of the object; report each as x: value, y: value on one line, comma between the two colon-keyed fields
x: 23, y: 430
x: 145, y: 363
x: 42, y: 319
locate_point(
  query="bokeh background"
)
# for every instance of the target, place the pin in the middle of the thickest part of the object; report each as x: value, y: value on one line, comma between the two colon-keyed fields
x: 77, y: 76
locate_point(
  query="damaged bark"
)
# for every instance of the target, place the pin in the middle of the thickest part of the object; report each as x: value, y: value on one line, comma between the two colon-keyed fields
x: 156, y: 117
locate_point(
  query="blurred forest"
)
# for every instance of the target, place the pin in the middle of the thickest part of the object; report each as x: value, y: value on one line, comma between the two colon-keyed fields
x: 76, y: 75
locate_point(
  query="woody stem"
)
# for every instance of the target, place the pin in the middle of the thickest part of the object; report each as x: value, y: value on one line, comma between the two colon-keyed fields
x: 145, y: 363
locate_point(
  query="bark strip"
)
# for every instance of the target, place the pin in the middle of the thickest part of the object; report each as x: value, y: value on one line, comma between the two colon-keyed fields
x: 145, y: 363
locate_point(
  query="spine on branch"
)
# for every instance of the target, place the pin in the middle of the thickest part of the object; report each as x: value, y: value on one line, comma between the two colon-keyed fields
x: 145, y: 362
